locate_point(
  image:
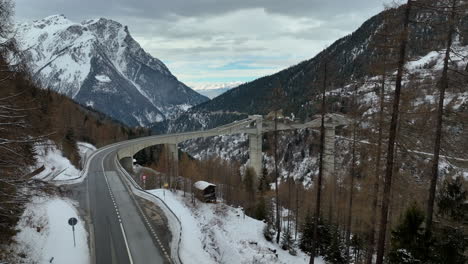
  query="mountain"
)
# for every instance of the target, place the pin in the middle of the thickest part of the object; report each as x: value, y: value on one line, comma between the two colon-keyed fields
x: 98, y: 63
x: 355, y: 85
x: 348, y: 60
x: 214, y: 90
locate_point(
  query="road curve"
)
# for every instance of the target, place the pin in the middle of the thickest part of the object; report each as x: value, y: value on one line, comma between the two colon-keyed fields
x: 119, y: 231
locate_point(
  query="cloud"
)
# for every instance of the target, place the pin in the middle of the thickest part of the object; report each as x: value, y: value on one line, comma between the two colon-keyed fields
x: 162, y: 9
x: 221, y: 39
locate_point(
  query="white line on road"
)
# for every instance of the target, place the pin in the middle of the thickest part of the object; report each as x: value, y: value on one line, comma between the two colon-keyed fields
x: 144, y: 215
x: 117, y: 211
x: 126, y: 243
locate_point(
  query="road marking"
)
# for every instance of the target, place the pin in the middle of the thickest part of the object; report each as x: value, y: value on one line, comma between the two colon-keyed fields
x: 126, y: 242
x: 116, y: 210
x: 145, y: 218
x: 86, y: 171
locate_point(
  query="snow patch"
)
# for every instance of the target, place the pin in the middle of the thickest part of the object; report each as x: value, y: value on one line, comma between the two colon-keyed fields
x: 103, y: 78
x: 217, y: 233
x: 202, y: 185
x: 90, y: 103
x: 46, y: 237
x: 56, y: 166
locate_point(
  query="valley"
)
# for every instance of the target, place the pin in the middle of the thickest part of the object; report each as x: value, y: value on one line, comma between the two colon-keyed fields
x: 348, y: 146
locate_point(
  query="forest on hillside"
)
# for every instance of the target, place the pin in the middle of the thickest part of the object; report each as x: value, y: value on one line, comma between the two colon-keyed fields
x: 31, y: 116
x: 400, y: 187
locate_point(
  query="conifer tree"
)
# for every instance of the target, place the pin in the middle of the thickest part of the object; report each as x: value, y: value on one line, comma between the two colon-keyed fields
x: 451, y: 199
x: 408, y: 242
x: 287, y: 241
x: 334, y: 253
x: 307, y: 233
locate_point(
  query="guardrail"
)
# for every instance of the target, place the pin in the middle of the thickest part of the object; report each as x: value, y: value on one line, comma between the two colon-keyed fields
x: 175, y: 248
x: 84, y: 170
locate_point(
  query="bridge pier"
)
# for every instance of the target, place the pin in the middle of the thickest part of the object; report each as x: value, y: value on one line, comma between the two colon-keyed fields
x: 255, y: 146
x: 174, y: 158
x: 255, y: 153
x: 127, y: 164
x: 253, y: 126
x: 329, y: 152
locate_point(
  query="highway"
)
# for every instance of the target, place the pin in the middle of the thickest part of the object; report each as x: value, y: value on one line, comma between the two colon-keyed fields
x: 118, y: 230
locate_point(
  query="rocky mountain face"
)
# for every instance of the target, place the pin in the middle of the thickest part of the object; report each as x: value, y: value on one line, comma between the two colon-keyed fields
x: 348, y: 60
x: 98, y: 64
x: 353, y: 76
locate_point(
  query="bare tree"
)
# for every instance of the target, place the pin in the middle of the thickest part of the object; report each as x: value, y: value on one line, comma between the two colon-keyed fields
x: 351, y: 177
x: 319, y: 180
x: 392, y: 134
x: 16, y: 156
x: 276, y: 102
x: 443, y: 86
x: 376, y: 187
x: 378, y: 148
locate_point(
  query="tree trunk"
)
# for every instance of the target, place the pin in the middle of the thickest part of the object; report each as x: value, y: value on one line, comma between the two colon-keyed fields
x: 297, y: 212
x: 375, y: 198
x: 289, y: 205
x: 351, y: 187
x: 319, y: 181
x: 278, y: 223
x: 444, y: 82
x: 392, y: 137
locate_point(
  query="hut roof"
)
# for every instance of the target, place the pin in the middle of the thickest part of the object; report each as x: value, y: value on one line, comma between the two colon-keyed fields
x: 202, y: 185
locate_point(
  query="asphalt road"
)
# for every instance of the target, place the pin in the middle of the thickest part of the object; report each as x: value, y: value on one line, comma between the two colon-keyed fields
x: 119, y: 232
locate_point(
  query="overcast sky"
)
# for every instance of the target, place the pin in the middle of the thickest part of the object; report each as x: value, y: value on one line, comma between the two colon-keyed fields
x: 218, y: 41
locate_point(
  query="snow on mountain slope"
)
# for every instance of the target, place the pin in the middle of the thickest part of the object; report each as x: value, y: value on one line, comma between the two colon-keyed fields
x: 212, y: 90
x: 99, y: 64
x: 298, y: 159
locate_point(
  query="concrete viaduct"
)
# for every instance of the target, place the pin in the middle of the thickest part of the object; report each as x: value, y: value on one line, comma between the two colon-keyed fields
x: 254, y: 126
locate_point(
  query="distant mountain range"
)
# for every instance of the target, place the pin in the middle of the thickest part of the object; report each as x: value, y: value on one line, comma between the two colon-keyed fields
x: 353, y: 66
x: 212, y: 90
x: 348, y: 60
x: 98, y: 64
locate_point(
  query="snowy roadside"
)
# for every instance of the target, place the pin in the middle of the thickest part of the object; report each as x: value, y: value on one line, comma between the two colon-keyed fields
x: 57, y: 168
x: 45, y: 235
x: 217, y: 233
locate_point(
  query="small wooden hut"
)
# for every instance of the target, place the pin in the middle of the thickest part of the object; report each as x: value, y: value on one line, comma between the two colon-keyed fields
x: 205, y: 191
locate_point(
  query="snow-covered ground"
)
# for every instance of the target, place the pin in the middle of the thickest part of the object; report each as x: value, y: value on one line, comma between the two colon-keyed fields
x: 44, y: 234
x: 57, y: 167
x: 217, y: 233
x: 46, y: 237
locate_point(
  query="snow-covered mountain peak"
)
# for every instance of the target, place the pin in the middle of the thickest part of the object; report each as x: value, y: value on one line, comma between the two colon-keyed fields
x: 54, y: 20
x: 67, y: 56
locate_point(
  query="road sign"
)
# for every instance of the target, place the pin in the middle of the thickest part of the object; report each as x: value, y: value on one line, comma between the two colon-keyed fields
x: 144, y: 181
x: 73, y: 221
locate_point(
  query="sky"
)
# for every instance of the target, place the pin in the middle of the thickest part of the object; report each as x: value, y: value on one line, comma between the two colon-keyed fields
x: 210, y: 42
